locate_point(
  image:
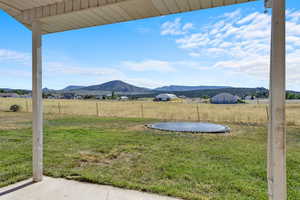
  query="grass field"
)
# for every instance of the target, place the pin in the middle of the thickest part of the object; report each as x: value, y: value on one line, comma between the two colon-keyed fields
x: 177, y: 111
x: 123, y: 153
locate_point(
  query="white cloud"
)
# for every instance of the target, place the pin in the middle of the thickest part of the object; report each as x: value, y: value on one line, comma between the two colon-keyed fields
x: 292, y: 28
x: 149, y: 65
x: 162, y: 66
x: 293, y: 15
x: 233, y: 14
x: 241, y: 44
x: 15, y: 56
x: 175, y: 27
x: 187, y: 26
x: 182, y: 64
x: 144, y: 82
x: 293, y: 40
x: 97, y: 75
x: 16, y: 73
x: 193, y: 41
x: 67, y: 69
x: 248, y: 18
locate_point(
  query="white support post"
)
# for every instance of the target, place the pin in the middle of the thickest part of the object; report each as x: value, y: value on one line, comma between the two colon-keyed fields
x: 277, y: 187
x: 37, y: 103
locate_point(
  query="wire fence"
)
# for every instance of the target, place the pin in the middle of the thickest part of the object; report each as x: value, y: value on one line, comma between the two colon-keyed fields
x: 176, y: 111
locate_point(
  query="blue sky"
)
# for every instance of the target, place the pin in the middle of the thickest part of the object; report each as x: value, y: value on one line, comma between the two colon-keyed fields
x: 221, y: 46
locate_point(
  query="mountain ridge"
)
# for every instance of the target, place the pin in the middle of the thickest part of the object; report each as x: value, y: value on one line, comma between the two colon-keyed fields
x: 121, y: 86
x: 116, y: 86
x: 178, y: 88
x: 73, y: 87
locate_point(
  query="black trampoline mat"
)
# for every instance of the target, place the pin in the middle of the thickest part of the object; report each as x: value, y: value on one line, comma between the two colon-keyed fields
x: 194, y: 127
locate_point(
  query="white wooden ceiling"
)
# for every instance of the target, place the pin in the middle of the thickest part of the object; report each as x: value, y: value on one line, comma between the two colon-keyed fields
x: 62, y: 15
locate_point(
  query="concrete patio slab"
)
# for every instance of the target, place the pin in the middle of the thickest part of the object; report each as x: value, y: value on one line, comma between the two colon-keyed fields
x: 62, y: 189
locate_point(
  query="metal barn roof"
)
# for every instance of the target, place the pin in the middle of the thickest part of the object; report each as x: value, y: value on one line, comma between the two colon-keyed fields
x: 62, y: 15
x: 166, y: 95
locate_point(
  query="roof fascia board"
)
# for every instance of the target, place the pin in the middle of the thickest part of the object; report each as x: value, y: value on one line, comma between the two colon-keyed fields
x: 10, y: 9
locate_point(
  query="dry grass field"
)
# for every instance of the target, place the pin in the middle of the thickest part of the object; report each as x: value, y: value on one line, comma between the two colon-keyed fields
x: 240, y: 113
x: 176, y: 111
x: 122, y: 152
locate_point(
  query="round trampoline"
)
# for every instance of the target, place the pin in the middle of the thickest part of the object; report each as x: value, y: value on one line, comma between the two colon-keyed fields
x: 193, y: 127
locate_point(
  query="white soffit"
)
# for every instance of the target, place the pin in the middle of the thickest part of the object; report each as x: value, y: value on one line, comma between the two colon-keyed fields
x: 62, y: 15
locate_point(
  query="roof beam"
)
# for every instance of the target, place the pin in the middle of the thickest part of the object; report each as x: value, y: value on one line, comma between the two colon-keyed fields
x: 64, y: 7
x: 63, y: 15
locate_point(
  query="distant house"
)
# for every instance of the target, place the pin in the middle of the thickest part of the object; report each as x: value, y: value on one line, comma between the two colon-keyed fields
x: 68, y: 95
x: 250, y: 97
x: 224, y: 98
x: 78, y: 97
x: 124, y: 98
x: 99, y: 97
x: 51, y: 97
x: 107, y: 96
x: 9, y: 95
x: 57, y: 96
x: 165, y: 97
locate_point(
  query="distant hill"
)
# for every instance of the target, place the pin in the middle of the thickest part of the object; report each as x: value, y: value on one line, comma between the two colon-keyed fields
x: 116, y: 86
x: 241, y: 92
x: 18, y: 91
x: 121, y: 87
x: 179, y: 88
x: 73, y: 87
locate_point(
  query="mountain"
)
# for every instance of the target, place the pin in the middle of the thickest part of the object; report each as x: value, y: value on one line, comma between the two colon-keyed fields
x: 241, y: 92
x: 121, y: 87
x: 179, y: 88
x: 73, y: 87
x: 116, y: 86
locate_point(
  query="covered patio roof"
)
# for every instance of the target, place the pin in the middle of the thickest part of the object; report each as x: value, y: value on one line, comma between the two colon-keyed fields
x: 50, y: 16
x: 62, y: 15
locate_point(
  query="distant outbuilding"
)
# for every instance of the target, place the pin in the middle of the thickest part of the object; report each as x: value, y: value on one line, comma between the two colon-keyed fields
x: 9, y: 95
x: 165, y: 97
x: 124, y: 98
x: 224, y: 98
x: 78, y: 97
x: 250, y: 97
x: 68, y: 95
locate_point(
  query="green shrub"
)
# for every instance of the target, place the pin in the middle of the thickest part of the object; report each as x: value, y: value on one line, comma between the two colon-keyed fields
x: 241, y: 101
x: 15, y: 108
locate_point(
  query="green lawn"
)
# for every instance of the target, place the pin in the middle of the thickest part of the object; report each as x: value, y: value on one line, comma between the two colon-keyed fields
x: 123, y: 153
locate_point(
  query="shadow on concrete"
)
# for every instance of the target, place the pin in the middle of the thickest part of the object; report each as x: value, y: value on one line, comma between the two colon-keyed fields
x: 28, y: 183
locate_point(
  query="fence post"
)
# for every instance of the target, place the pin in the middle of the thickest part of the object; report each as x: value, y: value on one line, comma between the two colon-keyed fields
x: 267, y: 111
x: 198, y: 114
x: 97, y: 108
x: 27, y: 107
x: 142, y: 110
x: 59, y: 108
